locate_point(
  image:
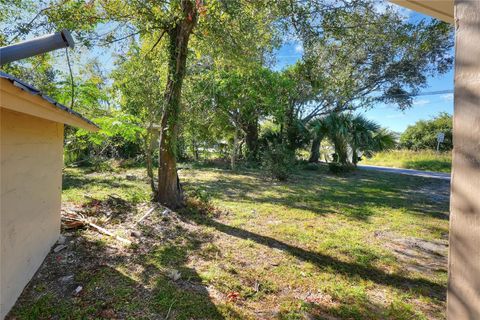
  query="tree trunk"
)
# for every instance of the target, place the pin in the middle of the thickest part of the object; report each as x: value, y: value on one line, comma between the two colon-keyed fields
x: 149, y: 145
x: 233, y: 158
x: 170, y: 191
x: 196, y: 156
x: 354, y: 155
x: 251, y: 139
x: 341, y: 150
x: 315, y: 151
x: 290, y: 129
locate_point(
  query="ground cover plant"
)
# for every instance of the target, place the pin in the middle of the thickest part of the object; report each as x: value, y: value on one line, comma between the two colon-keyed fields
x: 420, y: 160
x: 363, y: 245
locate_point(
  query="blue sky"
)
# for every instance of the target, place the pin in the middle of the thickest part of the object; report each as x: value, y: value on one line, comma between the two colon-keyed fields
x: 424, y: 107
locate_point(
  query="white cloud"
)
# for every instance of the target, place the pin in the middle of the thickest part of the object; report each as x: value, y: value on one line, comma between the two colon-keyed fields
x: 448, y: 97
x: 421, y: 102
x: 299, y: 48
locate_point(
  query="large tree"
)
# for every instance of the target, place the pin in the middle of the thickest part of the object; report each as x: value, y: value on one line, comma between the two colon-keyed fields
x: 239, y: 29
x: 358, y: 54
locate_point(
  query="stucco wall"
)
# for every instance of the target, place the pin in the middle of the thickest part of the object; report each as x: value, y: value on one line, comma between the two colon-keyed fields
x: 463, y: 301
x: 30, y: 178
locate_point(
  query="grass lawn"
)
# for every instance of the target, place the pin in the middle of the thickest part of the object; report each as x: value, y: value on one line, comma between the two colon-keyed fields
x: 367, y: 245
x: 408, y: 159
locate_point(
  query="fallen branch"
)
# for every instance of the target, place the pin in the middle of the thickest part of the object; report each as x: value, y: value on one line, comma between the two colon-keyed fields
x: 108, y: 233
x: 73, y: 220
x: 147, y: 214
x: 169, y: 309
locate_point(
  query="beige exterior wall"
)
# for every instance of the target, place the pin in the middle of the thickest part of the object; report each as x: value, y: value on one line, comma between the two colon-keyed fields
x: 464, y: 259
x: 31, y: 158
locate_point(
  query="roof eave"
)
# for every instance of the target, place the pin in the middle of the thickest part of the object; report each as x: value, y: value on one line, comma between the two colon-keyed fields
x: 440, y: 9
x: 16, y: 99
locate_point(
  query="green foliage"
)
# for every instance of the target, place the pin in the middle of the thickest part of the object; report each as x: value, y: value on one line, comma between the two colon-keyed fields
x: 339, y: 168
x: 311, y: 167
x: 200, y: 193
x: 278, y: 161
x: 222, y: 99
x: 228, y: 90
x: 346, y: 59
x: 118, y: 138
x: 423, y: 134
x: 352, y: 136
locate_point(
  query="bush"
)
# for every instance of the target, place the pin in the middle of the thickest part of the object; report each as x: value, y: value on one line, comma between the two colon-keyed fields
x: 311, y: 166
x: 423, y: 134
x: 279, y: 161
x: 201, y: 194
x: 339, y: 168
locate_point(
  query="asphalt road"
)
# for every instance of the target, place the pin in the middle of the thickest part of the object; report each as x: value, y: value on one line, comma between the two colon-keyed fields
x: 410, y: 172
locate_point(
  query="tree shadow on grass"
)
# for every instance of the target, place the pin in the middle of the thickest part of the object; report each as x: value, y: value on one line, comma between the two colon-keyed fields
x: 120, y: 283
x: 418, y: 286
x: 358, y: 193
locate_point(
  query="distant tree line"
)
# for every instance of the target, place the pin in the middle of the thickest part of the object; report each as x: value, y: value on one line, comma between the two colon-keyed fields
x: 423, y: 134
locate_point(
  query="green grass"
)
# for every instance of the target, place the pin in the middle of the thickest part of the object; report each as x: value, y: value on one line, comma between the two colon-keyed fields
x: 302, y: 249
x: 408, y: 159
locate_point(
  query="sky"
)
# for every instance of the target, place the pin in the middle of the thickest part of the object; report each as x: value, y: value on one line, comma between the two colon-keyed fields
x: 424, y: 107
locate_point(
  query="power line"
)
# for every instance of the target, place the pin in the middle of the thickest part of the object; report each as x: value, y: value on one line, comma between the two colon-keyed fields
x: 430, y: 93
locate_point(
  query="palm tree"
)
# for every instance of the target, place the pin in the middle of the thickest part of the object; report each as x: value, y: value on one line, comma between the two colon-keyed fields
x: 335, y: 127
x: 338, y: 125
x: 361, y: 135
x: 319, y: 131
x: 350, y: 133
x: 383, y: 139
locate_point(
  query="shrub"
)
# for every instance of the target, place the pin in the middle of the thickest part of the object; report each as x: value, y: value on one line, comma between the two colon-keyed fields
x: 311, y: 166
x: 423, y: 134
x: 201, y: 194
x: 279, y: 161
x: 339, y: 168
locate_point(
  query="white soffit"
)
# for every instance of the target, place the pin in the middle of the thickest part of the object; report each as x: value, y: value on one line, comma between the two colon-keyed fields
x: 440, y: 9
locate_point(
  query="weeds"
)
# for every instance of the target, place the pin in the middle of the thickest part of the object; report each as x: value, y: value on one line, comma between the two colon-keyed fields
x: 408, y: 159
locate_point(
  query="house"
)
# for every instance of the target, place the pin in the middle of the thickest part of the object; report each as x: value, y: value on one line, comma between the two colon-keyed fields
x: 463, y: 296
x: 31, y: 161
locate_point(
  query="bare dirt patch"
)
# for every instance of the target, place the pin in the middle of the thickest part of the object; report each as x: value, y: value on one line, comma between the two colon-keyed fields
x: 418, y: 255
x: 435, y: 190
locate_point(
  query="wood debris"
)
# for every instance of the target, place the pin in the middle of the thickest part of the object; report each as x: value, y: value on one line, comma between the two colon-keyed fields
x: 147, y: 214
x: 78, y: 290
x: 73, y: 220
x: 59, y: 248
